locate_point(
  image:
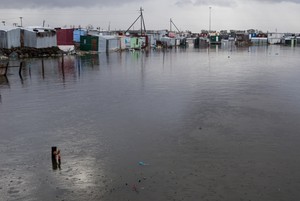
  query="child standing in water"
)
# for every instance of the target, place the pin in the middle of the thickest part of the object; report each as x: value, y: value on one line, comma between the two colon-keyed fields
x: 58, y: 158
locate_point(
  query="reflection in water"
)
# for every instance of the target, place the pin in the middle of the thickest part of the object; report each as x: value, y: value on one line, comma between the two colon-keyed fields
x: 64, y: 67
x: 3, y: 81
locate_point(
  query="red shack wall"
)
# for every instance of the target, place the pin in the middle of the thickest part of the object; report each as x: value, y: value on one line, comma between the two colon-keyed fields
x: 65, y: 36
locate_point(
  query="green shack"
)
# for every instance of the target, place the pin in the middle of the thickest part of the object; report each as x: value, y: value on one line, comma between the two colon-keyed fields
x: 215, y: 39
x: 135, y: 43
x: 89, y: 43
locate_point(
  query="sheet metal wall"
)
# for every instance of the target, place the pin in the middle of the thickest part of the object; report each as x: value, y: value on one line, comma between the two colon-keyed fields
x: 40, y: 39
x: 89, y: 43
x: 65, y: 36
x: 29, y: 39
x: 108, y: 43
x: 77, y: 33
x: 10, y: 38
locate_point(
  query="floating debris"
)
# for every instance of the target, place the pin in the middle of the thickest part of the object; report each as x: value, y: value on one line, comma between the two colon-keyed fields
x: 142, y: 163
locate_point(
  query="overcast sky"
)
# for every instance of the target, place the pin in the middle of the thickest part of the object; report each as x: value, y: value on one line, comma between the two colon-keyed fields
x: 265, y: 15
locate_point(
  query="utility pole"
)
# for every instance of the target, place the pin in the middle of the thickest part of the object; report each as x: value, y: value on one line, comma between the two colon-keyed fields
x: 21, y: 21
x: 143, y: 26
x: 209, y: 19
x: 172, y: 23
x: 142, y: 19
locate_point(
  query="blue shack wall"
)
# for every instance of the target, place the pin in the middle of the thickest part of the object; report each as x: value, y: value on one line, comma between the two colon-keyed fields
x: 77, y: 33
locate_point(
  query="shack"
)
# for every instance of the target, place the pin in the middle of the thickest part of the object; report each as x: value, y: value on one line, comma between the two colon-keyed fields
x: 290, y: 40
x: 275, y: 38
x: 214, y: 38
x: 242, y: 39
x: 135, y: 43
x: 139, y: 42
x: 259, y: 41
x: 108, y: 44
x: 38, y: 37
x: 168, y: 42
x: 298, y: 40
x: 77, y: 33
x: 65, y: 36
x: 124, y: 42
x: 89, y: 43
x: 9, y: 37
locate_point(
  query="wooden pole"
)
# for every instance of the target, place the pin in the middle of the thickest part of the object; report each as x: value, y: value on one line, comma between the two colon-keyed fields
x: 20, y: 69
x: 63, y: 66
x: 43, y: 69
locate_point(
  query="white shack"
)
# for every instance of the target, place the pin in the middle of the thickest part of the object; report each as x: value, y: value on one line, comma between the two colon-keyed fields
x: 259, y: 40
x: 108, y: 44
x: 169, y: 42
x: 275, y: 38
x: 9, y: 37
x: 39, y: 37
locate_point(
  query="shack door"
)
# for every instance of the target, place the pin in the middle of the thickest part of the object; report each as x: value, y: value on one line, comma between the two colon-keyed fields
x: 94, y: 44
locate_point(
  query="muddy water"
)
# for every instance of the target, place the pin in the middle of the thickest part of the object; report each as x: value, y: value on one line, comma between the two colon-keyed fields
x: 185, y: 124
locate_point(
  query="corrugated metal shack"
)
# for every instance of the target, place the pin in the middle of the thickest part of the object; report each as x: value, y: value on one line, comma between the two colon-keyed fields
x: 108, y: 44
x: 298, y: 40
x: 138, y: 42
x: 65, y: 36
x: 135, y: 43
x: 258, y: 39
x: 168, y: 42
x: 214, y: 38
x: 242, y: 38
x: 89, y: 43
x: 275, y: 38
x: 9, y: 37
x: 38, y: 37
x: 124, y: 42
x: 290, y: 40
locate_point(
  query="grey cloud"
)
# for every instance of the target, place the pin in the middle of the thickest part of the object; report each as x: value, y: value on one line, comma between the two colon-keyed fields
x: 280, y: 1
x: 226, y: 3
x: 17, y: 4
x: 183, y: 2
x: 223, y: 3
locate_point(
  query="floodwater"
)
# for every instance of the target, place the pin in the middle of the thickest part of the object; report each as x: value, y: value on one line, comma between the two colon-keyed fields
x: 179, y: 125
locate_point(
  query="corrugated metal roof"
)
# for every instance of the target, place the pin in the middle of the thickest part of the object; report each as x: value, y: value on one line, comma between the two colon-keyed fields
x: 108, y: 37
x: 39, y: 29
x: 8, y: 28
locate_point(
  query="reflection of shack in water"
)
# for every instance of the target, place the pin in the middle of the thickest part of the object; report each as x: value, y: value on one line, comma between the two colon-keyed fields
x: 88, y: 60
x: 47, y: 68
x: 3, y: 68
x: 4, y: 81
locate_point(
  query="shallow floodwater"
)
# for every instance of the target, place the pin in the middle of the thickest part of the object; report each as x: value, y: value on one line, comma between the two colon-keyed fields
x: 183, y: 124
